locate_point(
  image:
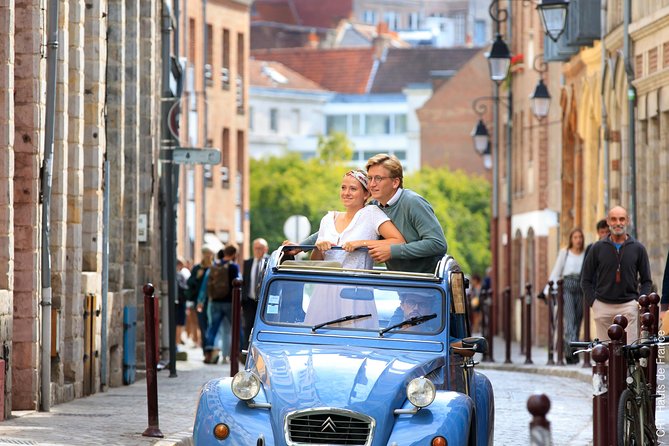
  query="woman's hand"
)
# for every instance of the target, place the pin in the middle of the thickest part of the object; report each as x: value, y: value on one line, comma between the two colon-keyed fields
x: 350, y: 246
x: 323, y: 245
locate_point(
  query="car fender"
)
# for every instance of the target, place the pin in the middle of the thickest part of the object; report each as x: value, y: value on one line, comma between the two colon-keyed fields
x: 450, y: 415
x: 485, y: 409
x: 217, y: 404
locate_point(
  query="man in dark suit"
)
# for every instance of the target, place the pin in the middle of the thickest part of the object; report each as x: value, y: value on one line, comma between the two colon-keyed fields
x: 251, y: 281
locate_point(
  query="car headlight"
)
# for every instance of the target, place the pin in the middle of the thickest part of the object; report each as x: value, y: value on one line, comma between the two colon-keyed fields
x: 245, y: 385
x: 421, y: 392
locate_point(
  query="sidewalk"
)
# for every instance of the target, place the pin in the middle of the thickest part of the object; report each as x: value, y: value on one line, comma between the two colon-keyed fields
x: 539, y: 359
x: 119, y: 416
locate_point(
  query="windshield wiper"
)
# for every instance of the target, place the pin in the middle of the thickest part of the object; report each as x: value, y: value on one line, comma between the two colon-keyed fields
x: 350, y: 317
x: 411, y: 321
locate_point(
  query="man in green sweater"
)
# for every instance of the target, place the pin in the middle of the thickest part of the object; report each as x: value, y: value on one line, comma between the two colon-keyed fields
x: 412, y: 214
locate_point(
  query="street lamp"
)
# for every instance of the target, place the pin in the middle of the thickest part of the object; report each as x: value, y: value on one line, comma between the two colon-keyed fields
x: 540, y: 99
x: 481, y: 137
x: 499, y: 59
x: 553, y: 17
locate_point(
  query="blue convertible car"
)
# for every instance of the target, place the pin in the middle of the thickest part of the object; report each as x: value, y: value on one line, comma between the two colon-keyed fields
x: 353, y: 357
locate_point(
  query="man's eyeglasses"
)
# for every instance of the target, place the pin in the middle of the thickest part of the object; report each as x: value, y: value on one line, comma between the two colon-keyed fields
x: 376, y: 179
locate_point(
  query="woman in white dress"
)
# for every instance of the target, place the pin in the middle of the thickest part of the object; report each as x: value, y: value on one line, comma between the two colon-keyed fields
x: 355, y: 227
x: 351, y: 229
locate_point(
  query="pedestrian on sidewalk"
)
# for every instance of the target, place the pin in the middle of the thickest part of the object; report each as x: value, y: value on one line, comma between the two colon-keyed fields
x: 219, y: 291
x: 195, y: 283
x: 250, y: 288
x: 183, y: 274
x: 568, y: 267
x: 615, y: 273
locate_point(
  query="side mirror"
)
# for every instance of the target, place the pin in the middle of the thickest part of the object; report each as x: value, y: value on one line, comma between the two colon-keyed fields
x: 478, y: 344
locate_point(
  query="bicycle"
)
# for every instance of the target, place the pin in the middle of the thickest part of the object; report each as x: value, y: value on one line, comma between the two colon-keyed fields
x: 635, y: 415
x: 636, y: 418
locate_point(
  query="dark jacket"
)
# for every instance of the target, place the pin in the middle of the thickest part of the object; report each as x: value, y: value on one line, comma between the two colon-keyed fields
x: 665, y: 283
x: 248, y: 266
x: 598, y: 278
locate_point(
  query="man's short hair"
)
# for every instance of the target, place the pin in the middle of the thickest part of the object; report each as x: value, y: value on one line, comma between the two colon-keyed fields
x: 390, y: 162
x: 229, y: 250
x: 602, y: 224
x: 416, y: 295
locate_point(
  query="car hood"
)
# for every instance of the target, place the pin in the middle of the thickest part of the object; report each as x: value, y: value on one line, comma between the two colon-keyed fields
x: 297, y: 377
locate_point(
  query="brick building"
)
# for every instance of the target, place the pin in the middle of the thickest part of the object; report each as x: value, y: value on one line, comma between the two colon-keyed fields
x: 214, y: 200
x: 102, y: 101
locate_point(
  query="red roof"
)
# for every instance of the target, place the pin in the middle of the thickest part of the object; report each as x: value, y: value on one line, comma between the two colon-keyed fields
x: 277, y: 75
x: 316, y: 13
x: 344, y: 70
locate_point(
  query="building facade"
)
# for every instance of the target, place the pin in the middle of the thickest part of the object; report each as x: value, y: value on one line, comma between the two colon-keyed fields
x: 106, y: 109
x: 214, y: 199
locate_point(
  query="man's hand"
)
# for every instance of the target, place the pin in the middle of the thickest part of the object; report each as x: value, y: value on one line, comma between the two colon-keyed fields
x: 200, y: 308
x: 380, y: 252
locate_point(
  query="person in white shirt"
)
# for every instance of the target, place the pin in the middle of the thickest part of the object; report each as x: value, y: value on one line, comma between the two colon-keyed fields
x: 355, y: 227
x: 568, y: 267
x: 351, y: 229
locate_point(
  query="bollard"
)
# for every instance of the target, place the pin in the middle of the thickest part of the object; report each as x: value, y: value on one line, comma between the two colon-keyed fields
x: 600, y: 399
x: 586, y: 331
x: 151, y: 371
x: 621, y: 320
x: 540, y: 427
x: 486, y: 323
x: 617, y: 370
x: 549, y: 302
x: 507, y: 324
x: 521, y: 341
x: 528, y: 323
x: 560, y: 322
x: 647, y: 320
x: 236, y: 316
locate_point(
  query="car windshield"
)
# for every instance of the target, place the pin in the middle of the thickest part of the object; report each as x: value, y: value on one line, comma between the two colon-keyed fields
x: 323, y: 306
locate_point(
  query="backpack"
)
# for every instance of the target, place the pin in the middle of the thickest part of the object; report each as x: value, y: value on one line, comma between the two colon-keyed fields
x: 218, y: 283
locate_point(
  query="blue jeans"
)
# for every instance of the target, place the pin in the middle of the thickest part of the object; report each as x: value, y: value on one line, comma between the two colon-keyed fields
x: 219, y: 313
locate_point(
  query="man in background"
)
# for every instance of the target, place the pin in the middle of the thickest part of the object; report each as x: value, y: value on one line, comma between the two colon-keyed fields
x: 615, y: 272
x: 250, y: 288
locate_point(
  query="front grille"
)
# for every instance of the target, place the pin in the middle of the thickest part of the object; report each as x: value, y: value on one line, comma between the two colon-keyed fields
x: 329, y: 426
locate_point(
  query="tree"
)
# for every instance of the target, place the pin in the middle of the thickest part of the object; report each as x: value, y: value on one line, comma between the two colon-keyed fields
x: 287, y: 185
x: 334, y: 148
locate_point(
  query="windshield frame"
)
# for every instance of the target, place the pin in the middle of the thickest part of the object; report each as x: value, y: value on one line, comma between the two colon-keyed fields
x: 266, y: 313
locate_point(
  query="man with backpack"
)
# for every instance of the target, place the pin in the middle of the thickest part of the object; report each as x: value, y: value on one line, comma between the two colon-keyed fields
x: 219, y: 296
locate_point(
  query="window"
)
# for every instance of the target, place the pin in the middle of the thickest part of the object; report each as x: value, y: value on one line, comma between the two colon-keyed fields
x: 336, y: 123
x: 400, y: 124
x: 356, y: 125
x: 414, y: 20
x: 225, y: 66
x: 377, y: 124
x: 208, y: 176
x: 480, y: 28
x: 209, y: 55
x: 392, y: 19
x: 400, y: 154
x: 240, y: 74
x: 369, y: 17
x: 295, y: 118
x: 274, y: 120
x: 225, y: 159
x: 251, y: 112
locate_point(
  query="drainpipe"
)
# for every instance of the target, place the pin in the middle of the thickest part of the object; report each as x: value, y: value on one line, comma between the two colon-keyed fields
x: 105, y: 277
x: 605, y: 116
x: 46, y: 175
x: 631, y: 107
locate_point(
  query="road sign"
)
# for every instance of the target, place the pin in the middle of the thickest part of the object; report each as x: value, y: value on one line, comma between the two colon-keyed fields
x: 297, y: 228
x: 196, y: 156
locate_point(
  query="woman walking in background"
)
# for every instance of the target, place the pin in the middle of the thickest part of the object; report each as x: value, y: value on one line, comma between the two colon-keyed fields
x: 568, y: 267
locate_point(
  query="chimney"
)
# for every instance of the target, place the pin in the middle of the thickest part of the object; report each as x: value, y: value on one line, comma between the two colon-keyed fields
x: 312, y: 40
x: 381, y: 42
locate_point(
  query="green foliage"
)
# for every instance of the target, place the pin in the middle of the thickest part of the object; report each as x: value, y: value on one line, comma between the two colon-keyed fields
x: 462, y: 206
x: 287, y: 185
x: 333, y: 148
